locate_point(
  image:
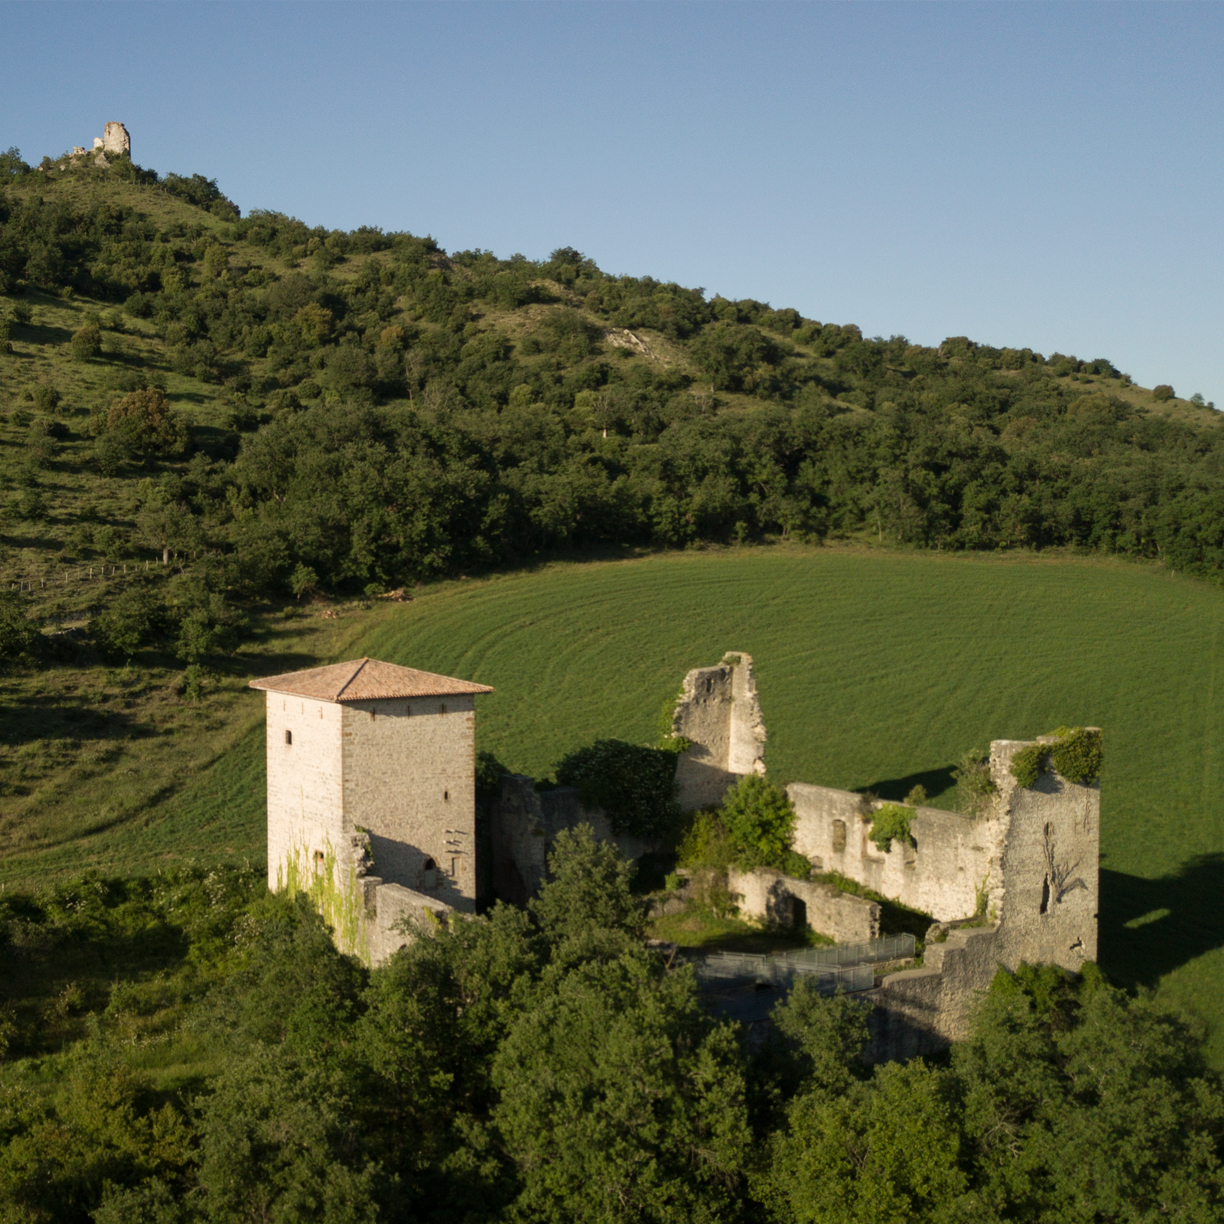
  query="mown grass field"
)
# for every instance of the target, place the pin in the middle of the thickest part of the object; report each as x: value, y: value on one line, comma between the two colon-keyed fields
x: 875, y: 670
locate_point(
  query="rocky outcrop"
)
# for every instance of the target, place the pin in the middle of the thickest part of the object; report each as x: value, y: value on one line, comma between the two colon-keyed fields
x: 115, y: 139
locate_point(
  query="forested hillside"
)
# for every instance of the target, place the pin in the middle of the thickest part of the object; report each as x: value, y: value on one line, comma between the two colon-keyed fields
x: 354, y: 411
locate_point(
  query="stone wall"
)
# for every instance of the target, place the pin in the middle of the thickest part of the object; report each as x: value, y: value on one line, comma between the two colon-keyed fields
x: 409, y: 770
x: 947, y: 873
x: 770, y: 896
x: 523, y: 825
x: 305, y: 803
x: 720, y: 714
x: 1042, y: 901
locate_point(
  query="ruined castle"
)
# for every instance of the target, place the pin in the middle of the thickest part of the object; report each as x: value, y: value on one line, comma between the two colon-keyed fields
x: 114, y: 140
x: 371, y: 768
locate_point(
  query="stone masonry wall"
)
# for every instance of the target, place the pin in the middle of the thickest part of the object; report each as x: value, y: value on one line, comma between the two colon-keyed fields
x: 770, y: 896
x: 720, y: 713
x: 305, y: 807
x: 1043, y: 899
x: 409, y: 781
x: 523, y: 825
x: 945, y: 874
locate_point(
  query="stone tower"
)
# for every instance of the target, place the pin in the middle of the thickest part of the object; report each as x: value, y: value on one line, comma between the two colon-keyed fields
x: 371, y: 761
x: 114, y: 139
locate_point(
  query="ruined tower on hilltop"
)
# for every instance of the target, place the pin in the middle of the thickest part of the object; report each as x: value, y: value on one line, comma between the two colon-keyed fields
x: 371, y: 769
x: 114, y: 139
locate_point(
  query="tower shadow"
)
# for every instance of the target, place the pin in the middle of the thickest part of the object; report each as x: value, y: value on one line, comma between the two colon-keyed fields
x: 1148, y: 928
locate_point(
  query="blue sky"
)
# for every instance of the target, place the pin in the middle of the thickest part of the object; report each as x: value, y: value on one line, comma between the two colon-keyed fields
x: 1024, y: 174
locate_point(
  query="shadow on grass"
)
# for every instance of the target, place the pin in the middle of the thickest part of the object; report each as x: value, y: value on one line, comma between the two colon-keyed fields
x: 935, y: 782
x: 33, y: 716
x: 1148, y: 928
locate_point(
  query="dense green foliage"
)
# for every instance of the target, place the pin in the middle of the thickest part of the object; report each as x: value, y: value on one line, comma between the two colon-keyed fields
x: 891, y: 822
x: 188, y: 1048
x: 1077, y: 754
x: 396, y: 413
x: 634, y: 786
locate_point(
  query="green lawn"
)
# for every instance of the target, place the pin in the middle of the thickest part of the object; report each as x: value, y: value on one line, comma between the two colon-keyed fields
x: 875, y: 670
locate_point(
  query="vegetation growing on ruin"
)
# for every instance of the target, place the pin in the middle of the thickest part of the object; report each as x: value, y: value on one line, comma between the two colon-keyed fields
x: 634, y: 786
x: 891, y: 822
x: 1076, y: 753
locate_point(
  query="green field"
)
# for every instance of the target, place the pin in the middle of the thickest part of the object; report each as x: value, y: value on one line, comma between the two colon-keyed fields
x: 875, y: 670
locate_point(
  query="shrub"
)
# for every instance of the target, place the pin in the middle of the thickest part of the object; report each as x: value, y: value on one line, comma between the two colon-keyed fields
x: 147, y: 423
x: 634, y: 786
x: 973, y: 782
x: 706, y: 843
x: 86, y: 342
x: 46, y: 399
x: 134, y: 618
x: 1077, y: 754
x: 891, y: 822
x: 18, y: 633
x: 760, y: 821
x: 1163, y: 393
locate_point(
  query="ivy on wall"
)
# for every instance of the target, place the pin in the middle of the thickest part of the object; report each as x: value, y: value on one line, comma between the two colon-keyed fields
x: 1077, y: 754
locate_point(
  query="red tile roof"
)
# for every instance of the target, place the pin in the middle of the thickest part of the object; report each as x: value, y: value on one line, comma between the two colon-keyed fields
x: 366, y: 680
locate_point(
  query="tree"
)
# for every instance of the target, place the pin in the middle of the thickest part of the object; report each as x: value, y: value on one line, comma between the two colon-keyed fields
x: 18, y: 633
x: 134, y: 618
x: 761, y: 821
x: 1162, y: 393
x: 588, y: 889
x: 147, y: 423
x: 620, y: 1100
x: 86, y: 342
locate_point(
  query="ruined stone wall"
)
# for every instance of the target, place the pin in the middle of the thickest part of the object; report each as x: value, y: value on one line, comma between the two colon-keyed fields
x: 719, y: 712
x: 409, y: 776
x: 769, y: 896
x: 1043, y: 898
x: 115, y: 139
x: 306, y: 830
x: 523, y: 825
x: 947, y: 873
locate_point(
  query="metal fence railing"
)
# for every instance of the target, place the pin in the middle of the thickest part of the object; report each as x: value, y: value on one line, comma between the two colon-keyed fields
x: 889, y: 947
x: 727, y: 970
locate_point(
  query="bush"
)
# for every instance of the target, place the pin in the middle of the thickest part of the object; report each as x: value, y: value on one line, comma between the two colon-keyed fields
x: 134, y: 618
x: 973, y: 782
x: 634, y: 786
x: 18, y: 633
x: 147, y: 423
x: 86, y: 342
x: 1163, y: 393
x: 1077, y: 754
x: 891, y: 822
x: 760, y: 821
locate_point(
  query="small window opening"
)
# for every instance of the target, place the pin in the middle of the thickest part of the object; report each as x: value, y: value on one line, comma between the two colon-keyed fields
x: 446, y: 796
x: 798, y: 914
x: 839, y: 836
x: 288, y: 737
x: 442, y: 707
x: 1045, y: 895
x: 430, y: 874
x: 318, y: 860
